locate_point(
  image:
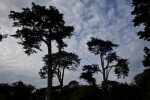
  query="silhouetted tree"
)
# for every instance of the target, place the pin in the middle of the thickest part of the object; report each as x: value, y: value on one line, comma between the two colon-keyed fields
x: 122, y: 91
x: 5, y: 91
x: 142, y: 17
x: 61, y: 61
x: 146, y: 61
x: 39, y: 94
x: 22, y: 91
x: 2, y: 36
x: 105, y: 50
x: 40, y: 24
x: 142, y: 81
x: 88, y: 75
x: 73, y: 83
x: 79, y: 92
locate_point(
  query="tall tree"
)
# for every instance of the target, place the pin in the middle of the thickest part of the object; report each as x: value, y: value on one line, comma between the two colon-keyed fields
x: 40, y: 24
x: 105, y: 50
x: 61, y: 61
x: 142, y: 17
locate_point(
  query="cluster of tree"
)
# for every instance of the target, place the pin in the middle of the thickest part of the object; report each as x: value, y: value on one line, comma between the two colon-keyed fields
x: 105, y: 50
x: 142, y: 17
x: 138, y: 90
x: 48, y: 25
x: 16, y: 91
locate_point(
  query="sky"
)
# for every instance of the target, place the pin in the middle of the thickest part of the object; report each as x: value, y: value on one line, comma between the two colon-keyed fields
x: 104, y: 19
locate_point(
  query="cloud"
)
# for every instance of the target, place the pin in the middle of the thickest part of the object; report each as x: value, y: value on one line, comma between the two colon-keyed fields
x: 104, y: 19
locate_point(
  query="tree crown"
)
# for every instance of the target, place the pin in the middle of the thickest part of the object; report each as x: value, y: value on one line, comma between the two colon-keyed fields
x: 98, y: 46
x: 39, y: 24
x: 142, y: 17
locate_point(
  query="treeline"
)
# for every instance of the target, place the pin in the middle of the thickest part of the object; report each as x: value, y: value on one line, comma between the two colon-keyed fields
x: 139, y: 89
x: 48, y: 26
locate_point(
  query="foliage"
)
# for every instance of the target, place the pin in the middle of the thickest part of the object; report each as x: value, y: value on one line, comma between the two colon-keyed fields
x: 123, y: 91
x: 98, y: 46
x: 16, y: 91
x: 88, y: 75
x: 21, y: 90
x: 73, y: 83
x: 40, y: 24
x: 146, y: 61
x: 117, y: 91
x: 79, y: 92
x: 39, y: 94
x: 61, y: 61
x: 2, y: 36
x: 74, y: 91
x: 142, y: 81
x: 5, y: 91
x: 142, y: 17
x: 47, y: 25
x: 105, y: 50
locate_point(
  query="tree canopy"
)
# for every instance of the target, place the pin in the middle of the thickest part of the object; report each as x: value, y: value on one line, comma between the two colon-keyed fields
x: 40, y: 24
x: 142, y: 81
x: 142, y: 17
x: 108, y: 58
x: 146, y: 61
x: 47, y: 25
x: 2, y: 36
x: 88, y: 74
x: 61, y: 61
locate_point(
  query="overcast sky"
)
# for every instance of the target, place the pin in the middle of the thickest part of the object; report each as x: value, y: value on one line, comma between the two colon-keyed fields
x: 104, y: 19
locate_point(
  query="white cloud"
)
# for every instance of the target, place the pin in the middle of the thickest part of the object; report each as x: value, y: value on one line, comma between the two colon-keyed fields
x: 111, y: 12
x: 108, y: 20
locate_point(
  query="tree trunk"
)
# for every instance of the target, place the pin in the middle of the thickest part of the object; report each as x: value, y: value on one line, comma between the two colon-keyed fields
x: 103, y: 73
x: 50, y: 73
x: 62, y: 79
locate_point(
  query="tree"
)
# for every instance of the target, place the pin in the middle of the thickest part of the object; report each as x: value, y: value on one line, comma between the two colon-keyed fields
x: 2, y: 36
x: 142, y: 81
x: 61, y: 61
x: 105, y: 50
x: 88, y: 75
x: 40, y: 24
x: 142, y: 17
x: 73, y: 83
x: 5, y: 91
x: 22, y: 91
x: 146, y: 61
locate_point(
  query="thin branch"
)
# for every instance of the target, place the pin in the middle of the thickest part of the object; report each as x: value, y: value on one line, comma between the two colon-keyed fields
x: 100, y: 71
x: 110, y: 66
x: 107, y: 66
x: 109, y: 71
x: 43, y: 40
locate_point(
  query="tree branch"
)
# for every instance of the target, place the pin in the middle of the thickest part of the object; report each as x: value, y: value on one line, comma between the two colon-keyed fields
x: 107, y: 66
x: 43, y: 40
x: 109, y: 71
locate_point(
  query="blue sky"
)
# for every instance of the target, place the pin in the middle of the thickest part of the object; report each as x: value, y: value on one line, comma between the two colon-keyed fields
x: 104, y: 19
